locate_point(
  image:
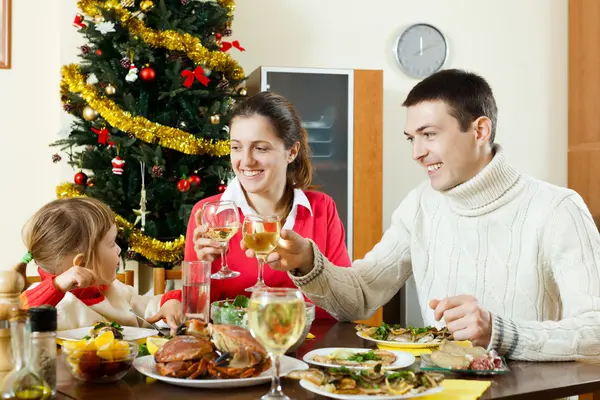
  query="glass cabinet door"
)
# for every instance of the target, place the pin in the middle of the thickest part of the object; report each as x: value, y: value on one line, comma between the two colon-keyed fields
x: 323, y: 99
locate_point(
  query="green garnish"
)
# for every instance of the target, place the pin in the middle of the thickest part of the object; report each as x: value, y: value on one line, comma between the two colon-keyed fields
x: 382, y: 332
x: 116, y: 326
x: 362, y: 357
x: 87, y: 337
x: 103, y: 324
x: 417, y: 331
x: 241, y: 302
x: 143, y: 350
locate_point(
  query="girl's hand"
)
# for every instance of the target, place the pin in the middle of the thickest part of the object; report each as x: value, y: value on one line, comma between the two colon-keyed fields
x: 75, y: 277
x: 172, y: 312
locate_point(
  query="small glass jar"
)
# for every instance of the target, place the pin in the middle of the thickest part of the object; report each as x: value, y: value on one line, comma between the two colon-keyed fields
x: 22, y: 382
x: 43, y: 344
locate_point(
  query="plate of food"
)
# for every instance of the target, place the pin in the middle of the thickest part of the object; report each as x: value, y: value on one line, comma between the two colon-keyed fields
x: 396, y: 336
x: 457, y: 359
x: 347, y: 384
x: 212, y: 356
x: 359, y: 358
x: 127, y: 333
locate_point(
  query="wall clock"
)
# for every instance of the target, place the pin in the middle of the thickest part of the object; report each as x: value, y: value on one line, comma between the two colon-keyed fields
x: 421, y: 50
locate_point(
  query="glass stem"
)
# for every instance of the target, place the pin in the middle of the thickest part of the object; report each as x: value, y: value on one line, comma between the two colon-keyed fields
x: 261, y: 267
x: 276, y: 382
x: 224, y: 248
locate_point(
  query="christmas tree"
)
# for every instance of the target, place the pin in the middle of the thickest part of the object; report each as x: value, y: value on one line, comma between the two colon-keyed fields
x: 151, y: 98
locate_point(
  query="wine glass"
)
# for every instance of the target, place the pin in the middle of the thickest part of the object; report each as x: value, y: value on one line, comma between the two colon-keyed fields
x: 261, y: 234
x: 276, y: 318
x: 223, y: 221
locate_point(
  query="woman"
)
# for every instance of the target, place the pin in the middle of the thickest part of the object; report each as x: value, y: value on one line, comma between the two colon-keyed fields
x: 270, y: 159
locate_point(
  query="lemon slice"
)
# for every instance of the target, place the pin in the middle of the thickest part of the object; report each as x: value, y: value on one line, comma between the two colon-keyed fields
x: 120, y: 350
x: 71, y: 345
x: 154, y: 344
x: 104, y: 339
x: 106, y: 352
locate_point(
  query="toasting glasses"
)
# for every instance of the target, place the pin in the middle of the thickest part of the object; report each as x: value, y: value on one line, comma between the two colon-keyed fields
x: 223, y: 221
x: 261, y: 234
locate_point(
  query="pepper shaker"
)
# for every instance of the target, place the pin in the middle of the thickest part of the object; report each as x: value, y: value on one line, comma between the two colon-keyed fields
x: 43, y: 344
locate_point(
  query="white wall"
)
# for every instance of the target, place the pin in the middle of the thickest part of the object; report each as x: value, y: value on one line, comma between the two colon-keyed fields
x: 519, y: 46
x: 29, y: 119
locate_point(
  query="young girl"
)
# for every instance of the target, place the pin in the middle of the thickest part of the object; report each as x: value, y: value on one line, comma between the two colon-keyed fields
x: 73, y: 243
x: 270, y: 159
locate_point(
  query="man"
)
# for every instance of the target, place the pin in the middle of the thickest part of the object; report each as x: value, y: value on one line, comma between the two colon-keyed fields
x: 507, y: 261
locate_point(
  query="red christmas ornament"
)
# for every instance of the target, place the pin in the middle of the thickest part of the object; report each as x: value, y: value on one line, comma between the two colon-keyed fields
x: 78, y: 22
x: 147, y: 74
x: 118, y: 163
x: 80, y: 178
x: 98, y: 52
x: 218, y: 36
x: 198, y: 73
x: 194, y: 180
x: 90, y: 182
x: 228, y: 45
x: 183, y: 185
x: 222, y: 187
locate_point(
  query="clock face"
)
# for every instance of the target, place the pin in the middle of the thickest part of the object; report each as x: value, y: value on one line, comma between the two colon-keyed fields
x: 421, y: 50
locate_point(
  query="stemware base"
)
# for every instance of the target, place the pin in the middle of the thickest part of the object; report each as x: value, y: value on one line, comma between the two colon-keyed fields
x: 228, y: 274
x: 257, y: 285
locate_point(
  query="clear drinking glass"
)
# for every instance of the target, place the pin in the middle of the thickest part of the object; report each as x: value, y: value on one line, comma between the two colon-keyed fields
x: 223, y: 222
x: 195, y: 277
x: 276, y: 318
x: 261, y: 234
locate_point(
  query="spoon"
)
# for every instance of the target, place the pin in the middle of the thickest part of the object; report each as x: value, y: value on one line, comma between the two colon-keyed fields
x: 149, y: 323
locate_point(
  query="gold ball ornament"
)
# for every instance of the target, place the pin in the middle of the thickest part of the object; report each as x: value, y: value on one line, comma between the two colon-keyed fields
x: 146, y: 5
x: 110, y: 90
x: 89, y: 114
x: 98, y: 19
x: 215, y: 119
x: 243, y: 91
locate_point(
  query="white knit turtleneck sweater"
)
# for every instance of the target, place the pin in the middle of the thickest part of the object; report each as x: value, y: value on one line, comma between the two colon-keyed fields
x: 529, y: 251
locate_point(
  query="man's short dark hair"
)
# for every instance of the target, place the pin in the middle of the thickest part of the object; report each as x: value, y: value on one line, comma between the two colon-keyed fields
x: 467, y: 95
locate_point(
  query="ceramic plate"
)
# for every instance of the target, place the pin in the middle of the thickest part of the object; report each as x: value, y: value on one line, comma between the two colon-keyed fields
x: 399, y: 345
x: 130, y: 333
x: 403, y: 359
x: 428, y: 365
x: 315, y: 389
x: 146, y: 366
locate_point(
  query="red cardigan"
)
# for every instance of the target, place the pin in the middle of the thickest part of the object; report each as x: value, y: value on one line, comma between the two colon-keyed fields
x: 324, y: 227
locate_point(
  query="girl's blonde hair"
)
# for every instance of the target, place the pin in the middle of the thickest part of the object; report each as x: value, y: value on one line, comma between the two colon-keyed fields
x: 66, y: 227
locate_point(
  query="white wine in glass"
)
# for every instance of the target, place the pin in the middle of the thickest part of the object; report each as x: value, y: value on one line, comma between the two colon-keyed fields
x: 261, y: 235
x: 223, y: 221
x: 276, y: 319
x: 222, y: 234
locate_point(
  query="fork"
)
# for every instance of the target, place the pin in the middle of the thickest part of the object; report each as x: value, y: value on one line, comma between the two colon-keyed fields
x: 149, y: 323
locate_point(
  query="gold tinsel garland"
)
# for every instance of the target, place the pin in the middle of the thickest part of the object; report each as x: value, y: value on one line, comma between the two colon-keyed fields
x: 171, y: 40
x: 152, y: 249
x: 140, y: 127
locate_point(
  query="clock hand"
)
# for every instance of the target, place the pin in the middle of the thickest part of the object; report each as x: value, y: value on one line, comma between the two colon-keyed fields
x: 420, y: 52
x: 421, y: 45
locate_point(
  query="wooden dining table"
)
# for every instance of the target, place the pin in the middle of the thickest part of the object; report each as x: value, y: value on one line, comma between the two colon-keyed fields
x: 527, y: 380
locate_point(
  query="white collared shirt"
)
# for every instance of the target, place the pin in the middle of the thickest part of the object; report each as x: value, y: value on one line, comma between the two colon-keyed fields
x: 235, y: 193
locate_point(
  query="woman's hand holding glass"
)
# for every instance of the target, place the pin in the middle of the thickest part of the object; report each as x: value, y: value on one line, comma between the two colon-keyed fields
x: 206, y: 248
x: 217, y: 223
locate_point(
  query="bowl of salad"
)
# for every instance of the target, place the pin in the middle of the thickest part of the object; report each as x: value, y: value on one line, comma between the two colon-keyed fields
x: 234, y: 312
